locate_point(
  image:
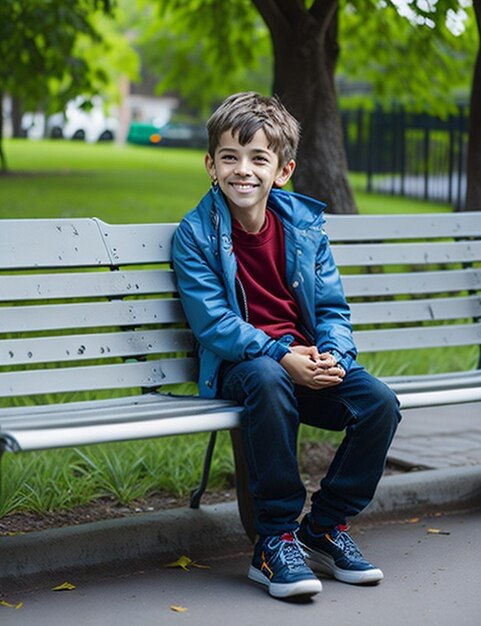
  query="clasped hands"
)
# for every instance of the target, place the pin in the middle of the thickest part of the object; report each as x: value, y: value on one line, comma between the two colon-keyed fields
x: 311, y: 368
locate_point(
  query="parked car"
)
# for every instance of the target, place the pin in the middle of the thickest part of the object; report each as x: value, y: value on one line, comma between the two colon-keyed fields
x: 81, y: 124
x: 175, y: 134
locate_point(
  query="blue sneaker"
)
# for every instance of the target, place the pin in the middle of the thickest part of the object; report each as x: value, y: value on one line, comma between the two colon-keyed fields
x: 279, y: 563
x: 336, y: 553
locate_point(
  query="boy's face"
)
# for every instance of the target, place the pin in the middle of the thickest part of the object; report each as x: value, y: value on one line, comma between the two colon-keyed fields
x: 247, y: 173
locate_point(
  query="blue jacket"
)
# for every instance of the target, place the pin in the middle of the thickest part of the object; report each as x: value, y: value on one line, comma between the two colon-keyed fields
x: 206, y: 267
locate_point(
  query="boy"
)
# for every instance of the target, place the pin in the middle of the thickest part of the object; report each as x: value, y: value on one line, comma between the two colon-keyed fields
x: 263, y: 297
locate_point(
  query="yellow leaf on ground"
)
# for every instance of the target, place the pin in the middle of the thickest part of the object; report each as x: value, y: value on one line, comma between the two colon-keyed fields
x: 66, y: 586
x: 178, y: 609
x: 184, y: 562
x: 9, y: 605
x: 437, y: 531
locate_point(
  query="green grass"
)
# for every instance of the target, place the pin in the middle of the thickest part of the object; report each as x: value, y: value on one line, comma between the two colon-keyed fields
x: 370, y: 203
x: 117, y: 184
x: 122, y: 472
x: 135, y: 184
x: 121, y: 184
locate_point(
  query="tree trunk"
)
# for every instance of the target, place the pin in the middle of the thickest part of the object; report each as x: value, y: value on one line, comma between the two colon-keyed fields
x: 473, y: 197
x: 16, y: 115
x: 3, y: 160
x: 305, y: 54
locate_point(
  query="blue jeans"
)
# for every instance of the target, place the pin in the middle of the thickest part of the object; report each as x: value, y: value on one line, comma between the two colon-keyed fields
x: 362, y: 406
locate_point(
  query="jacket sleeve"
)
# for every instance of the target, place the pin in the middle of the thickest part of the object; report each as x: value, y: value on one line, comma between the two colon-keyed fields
x: 214, y: 322
x: 333, y: 316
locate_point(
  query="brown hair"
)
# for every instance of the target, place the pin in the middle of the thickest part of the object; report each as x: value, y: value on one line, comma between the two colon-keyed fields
x: 245, y: 113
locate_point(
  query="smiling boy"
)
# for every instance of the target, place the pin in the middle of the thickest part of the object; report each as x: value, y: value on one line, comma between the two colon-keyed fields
x: 264, y: 299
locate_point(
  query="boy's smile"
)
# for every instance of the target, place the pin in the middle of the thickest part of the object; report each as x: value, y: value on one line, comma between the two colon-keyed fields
x: 246, y: 175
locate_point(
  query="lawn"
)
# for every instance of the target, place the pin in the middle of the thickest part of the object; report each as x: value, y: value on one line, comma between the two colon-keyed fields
x: 122, y: 184
x: 119, y: 185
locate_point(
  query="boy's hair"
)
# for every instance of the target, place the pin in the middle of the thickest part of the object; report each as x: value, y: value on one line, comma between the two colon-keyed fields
x: 245, y: 113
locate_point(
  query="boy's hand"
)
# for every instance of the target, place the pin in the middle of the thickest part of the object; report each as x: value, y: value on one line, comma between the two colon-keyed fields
x: 331, y: 372
x: 309, y: 368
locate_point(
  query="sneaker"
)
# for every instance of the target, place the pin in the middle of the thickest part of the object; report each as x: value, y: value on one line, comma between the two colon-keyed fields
x: 336, y: 553
x: 279, y: 563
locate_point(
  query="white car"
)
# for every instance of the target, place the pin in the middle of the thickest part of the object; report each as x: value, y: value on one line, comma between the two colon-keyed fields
x: 91, y: 126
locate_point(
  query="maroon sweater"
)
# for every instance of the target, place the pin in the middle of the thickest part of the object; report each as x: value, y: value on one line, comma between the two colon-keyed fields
x: 262, y: 272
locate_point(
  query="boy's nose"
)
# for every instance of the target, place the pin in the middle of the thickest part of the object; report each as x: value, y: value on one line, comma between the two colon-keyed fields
x: 243, y: 167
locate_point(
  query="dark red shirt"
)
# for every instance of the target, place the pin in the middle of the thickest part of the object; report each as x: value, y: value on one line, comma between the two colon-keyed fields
x: 261, y: 268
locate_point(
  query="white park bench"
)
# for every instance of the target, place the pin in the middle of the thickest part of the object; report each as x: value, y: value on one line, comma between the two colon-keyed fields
x: 87, y: 307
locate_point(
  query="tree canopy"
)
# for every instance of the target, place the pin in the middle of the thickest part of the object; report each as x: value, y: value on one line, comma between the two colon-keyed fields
x: 416, y: 52
x: 408, y: 52
x: 52, y: 52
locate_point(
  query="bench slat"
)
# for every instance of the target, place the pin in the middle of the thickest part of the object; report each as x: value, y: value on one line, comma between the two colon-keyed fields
x: 157, y: 426
x: 148, y: 374
x: 416, y: 310
x: 137, y: 243
x: 411, y: 283
x: 417, y: 337
x: 407, y: 253
x: 452, y: 380
x: 51, y: 243
x: 85, y: 285
x: 80, y: 242
x: 104, y: 411
x: 94, y: 346
x: 90, y: 315
x: 383, y: 227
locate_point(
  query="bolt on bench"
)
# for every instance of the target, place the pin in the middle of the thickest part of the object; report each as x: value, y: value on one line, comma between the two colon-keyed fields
x: 87, y: 306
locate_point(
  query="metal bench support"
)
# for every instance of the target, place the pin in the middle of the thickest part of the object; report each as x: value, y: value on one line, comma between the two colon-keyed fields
x: 197, y: 494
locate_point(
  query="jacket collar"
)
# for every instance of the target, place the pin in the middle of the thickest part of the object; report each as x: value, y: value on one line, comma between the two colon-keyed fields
x: 300, y: 211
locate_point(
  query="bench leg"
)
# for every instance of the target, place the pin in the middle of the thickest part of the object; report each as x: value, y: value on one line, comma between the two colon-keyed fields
x: 2, y: 450
x: 244, y: 497
x: 197, y: 494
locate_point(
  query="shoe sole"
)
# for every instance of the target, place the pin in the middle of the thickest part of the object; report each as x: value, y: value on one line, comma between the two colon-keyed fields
x: 304, y: 588
x: 325, y: 564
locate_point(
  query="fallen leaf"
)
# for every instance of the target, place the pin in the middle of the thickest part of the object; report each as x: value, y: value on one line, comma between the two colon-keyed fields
x: 437, y: 531
x: 66, y: 586
x: 184, y: 562
x: 413, y: 520
x: 11, y: 606
x: 178, y: 609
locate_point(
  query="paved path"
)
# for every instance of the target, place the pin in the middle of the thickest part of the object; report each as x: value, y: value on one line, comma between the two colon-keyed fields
x: 430, y: 579
x: 439, y: 437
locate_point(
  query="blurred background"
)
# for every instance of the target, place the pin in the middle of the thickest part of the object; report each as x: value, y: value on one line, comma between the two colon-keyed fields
x: 388, y: 95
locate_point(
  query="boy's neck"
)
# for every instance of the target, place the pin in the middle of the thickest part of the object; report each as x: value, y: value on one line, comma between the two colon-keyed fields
x: 251, y: 222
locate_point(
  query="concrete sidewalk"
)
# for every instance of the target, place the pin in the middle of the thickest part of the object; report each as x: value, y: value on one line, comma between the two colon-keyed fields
x: 427, y: 438
x: 439, y: 437
x: 431, y: 579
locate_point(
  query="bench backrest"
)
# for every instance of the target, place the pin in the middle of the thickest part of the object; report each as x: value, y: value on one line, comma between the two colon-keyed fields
x: 99, y: 300
x: 413, y: 281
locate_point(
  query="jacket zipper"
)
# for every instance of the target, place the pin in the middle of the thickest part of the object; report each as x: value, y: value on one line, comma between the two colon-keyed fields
x: 243, y: 299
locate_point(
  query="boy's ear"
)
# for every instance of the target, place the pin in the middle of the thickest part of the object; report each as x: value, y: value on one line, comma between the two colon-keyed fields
x: 210, y: 166
x: 285, y: 173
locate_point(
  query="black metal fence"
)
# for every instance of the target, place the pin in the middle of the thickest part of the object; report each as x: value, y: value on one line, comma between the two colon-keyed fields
x: 415, y: 155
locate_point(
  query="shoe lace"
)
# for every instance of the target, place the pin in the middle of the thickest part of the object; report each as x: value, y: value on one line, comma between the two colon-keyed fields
x: 347, y: 544
x: 291, y: 552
